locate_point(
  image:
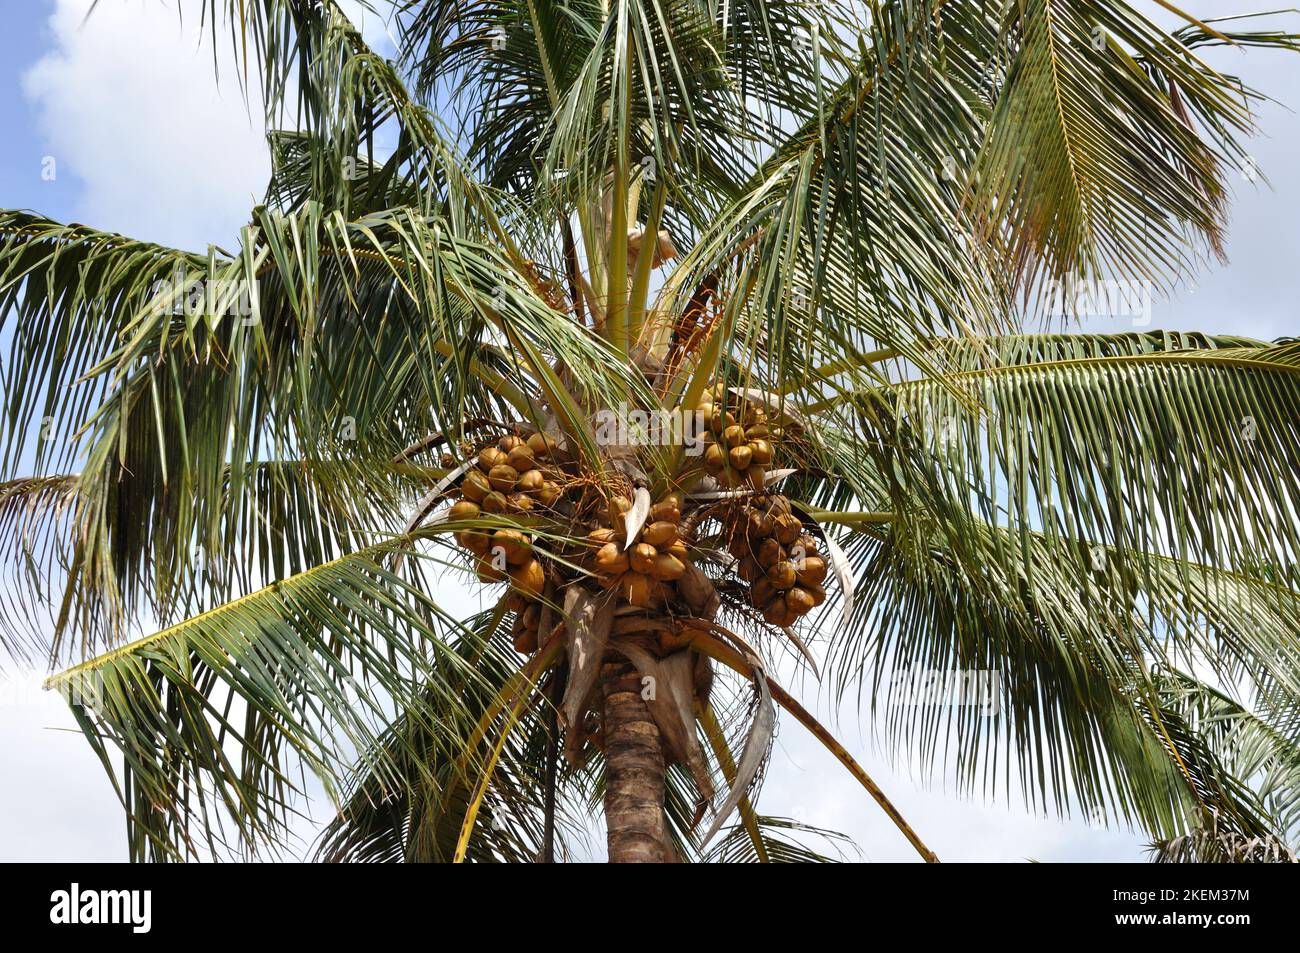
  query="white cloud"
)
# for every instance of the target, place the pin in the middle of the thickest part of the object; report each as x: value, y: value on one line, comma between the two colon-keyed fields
x: 129, y: 105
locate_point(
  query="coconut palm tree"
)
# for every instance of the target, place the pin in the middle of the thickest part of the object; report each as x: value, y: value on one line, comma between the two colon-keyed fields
x: 691, y: 334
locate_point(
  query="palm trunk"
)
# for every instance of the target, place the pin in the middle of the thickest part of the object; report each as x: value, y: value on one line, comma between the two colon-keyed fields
x: 634, y: 770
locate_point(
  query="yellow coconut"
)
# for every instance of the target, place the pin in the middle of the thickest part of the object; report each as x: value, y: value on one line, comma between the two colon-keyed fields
x: 539, y: 445
x: 603, y: 535
x: 490, y: 457
x: 530, y: 481
x: 521, y: 502
x: 761, y: 593
x: 788, y: 528
x: 781, y: 574
x: 667, y: 567
x: 525, y: 641
x: 733, y: 436
x: 637, y: 589
x: 756, y: 476
x: 665, y: 511
x: 677, y: 548
x: 749, y: 570
x: 760, y: 451
x: 521, y: 458
x: 739, y: 457
x: 475, y: 486
x: 660, y: 533
x: 495, y: 502
x: 548, y: 493
x: 799, y: 600
x: 476, y: 543
x: 486, y: 570
x: 776, y: 611
x: 464, y: 510
x: 714, y: 458
x: 503, y: 477
x: 610, y: 560
x: 529, y: 579
x: 812, y: 571
x: 768, y: 553
x: 643, y: 557
x: 513, y: 545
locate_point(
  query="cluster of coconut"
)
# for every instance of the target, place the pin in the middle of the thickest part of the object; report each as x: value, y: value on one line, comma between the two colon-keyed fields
x: 513, y: 477
x: 779, y: 560
x: 738, y: 444
x: 644, y: 571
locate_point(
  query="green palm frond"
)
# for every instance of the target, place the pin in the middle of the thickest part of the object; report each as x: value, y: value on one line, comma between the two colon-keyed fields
x: 221, y: 712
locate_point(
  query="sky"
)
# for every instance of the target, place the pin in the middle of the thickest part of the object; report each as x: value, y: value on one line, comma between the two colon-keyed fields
x: 118, y: 122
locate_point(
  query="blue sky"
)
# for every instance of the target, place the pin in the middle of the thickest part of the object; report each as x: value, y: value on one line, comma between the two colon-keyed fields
x: 146, y: 144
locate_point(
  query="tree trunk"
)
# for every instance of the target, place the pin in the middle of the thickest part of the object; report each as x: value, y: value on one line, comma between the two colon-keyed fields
x: 634, y: 770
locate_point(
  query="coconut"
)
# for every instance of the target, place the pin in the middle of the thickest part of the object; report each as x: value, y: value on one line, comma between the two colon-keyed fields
x: 788, y: 528
x: 513, y: 545
x: 812, y: 571
x: 476, y: 543
x: 817, y: 593
x: 618, y: 505
x: 475, y: 486
x: 599, y: 537
x: 495, y: 502
x: 464, y: 510
x: 667, y: 567
x: 529, y: 579
x: 525, y: 641
x: 739, y: 457
x: 660, y: 533
x: 666, y: 511
x: 781, y: 574
x: 756, y: 476
x: 521, y: 458
x: 760, y: 450
x: 548, y: 493
x: 509, y: 443
x: 638, y: 589
x: 758, y: 431
x: 714, y: 458
x: 720, y: 420
x: 677, y: 548
x: 776, y: 611
x: 487, y: 571
x: 768, y: 553
x: 749, y: 570
x: 611, y: 560
x: 503, y: 477
x: 758, y: 525
x: 643, y: 557
x: 733, y: 436
x: 761, y: 593
x: 539, y: 445
x: 490, y: 457
x: 530, y: 481
x: 800, y: 600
